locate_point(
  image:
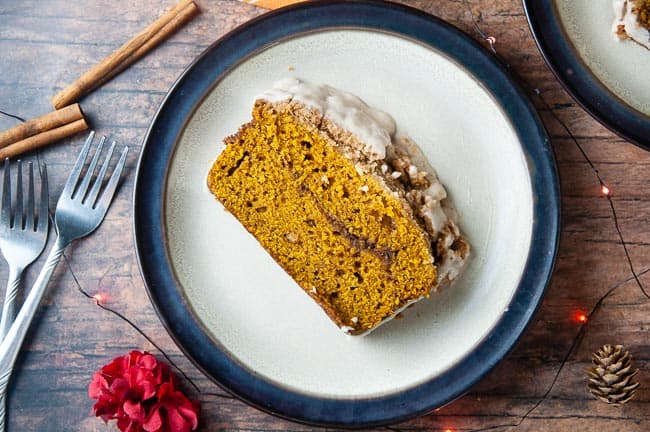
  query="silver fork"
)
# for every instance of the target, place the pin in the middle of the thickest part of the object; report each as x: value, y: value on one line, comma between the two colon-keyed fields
x: 79, y: 212
x: 22, y: 239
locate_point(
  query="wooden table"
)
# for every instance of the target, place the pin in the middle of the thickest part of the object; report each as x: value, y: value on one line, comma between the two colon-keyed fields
x: 541, y: 386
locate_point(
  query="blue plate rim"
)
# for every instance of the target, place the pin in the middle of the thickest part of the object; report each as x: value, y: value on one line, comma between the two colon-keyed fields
x: 148, y: 210
x: 592, y: 95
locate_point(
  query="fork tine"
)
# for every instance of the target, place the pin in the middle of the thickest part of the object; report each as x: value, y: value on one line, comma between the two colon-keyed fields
x: 104, y: 201
x: 18, y: 209
x: 5, y: 213
x: 70, y: 185
x: 44, y: 204
x: 92, y: 196
x: 83, y: 188
x: 29, y: 212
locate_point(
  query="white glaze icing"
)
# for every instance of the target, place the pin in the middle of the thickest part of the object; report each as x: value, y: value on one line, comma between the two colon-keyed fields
x: 625, y: 16
x: 371, y: 126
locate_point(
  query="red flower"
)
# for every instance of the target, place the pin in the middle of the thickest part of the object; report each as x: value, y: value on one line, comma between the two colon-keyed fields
x: 173, y: 413
x: 140, y: 393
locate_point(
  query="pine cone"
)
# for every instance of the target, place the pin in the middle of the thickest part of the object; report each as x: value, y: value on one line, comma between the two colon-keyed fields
x: 611, y: 379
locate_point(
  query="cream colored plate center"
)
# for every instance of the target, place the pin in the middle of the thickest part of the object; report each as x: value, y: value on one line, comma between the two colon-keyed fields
x: 255, y: 310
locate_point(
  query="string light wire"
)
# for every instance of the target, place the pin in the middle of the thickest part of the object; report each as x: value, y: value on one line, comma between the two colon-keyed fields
x: 12, y: 116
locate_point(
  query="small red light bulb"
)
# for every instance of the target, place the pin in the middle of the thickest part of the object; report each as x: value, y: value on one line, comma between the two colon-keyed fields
x: 99, y: 298
x: 580, y: 316
x: 605, y: 190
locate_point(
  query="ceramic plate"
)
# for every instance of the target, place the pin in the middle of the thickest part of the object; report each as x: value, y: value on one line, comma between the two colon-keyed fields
x: 609, y: 78
x: 244, y: 321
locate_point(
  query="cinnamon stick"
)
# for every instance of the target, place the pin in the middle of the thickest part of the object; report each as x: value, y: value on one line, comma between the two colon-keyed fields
x: 183, y: 16
x: 43, y: 138
x: 97, y: 74
x: 40, y: 124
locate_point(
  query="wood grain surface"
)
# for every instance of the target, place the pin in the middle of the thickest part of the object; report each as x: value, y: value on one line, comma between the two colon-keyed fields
x: 46, y: 44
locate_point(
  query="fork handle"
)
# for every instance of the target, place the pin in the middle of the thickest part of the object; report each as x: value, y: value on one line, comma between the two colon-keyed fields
x: 9, y: 305
x: 10, y: 346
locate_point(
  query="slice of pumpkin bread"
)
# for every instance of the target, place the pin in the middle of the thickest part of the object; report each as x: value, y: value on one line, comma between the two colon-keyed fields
x: 316, y: 179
